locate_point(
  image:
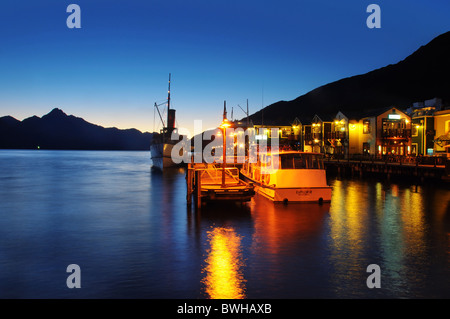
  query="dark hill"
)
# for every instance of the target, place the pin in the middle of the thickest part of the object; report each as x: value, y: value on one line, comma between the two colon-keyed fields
x: 423, y: 75
x: 57, y: 130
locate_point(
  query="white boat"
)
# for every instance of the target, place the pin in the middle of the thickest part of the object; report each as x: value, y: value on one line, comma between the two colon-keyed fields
x: 298, y: 177
x: 162, y: 144
x: 161, y: 151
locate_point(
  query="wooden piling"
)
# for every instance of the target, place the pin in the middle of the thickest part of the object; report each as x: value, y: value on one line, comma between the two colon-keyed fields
x: 198, y: 187
x: 189, y: 184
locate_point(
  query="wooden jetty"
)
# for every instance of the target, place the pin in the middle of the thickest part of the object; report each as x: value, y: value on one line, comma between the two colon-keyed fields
x: 213, y: 182
x: 386, y: 168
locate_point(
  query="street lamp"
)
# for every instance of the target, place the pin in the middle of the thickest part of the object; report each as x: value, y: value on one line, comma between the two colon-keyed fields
x: 225, y: 124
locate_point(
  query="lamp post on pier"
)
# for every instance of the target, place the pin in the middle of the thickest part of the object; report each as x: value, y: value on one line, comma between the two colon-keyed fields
x: 225, y: 124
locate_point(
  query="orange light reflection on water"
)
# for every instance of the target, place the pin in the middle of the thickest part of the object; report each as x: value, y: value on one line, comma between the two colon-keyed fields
x: 224, y: 263
x: 277, y: 226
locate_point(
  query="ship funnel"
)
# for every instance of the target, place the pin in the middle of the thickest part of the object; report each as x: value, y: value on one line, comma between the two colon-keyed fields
x: 171, y: 120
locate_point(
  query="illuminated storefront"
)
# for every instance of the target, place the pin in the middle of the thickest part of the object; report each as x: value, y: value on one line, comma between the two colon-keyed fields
x: 442, y: 132
x: 393, y: 133
x: 315, y: 136
x: 338, y: 136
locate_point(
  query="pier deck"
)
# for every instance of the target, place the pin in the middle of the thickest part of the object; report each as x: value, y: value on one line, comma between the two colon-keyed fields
x: 387, y: 168
x: 209, y: 182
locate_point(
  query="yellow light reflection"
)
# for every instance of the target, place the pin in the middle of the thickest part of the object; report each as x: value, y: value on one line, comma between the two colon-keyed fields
x: 224, y: 278
x: 395, y: 190
x: 414, y: 225
x: 349, y: 226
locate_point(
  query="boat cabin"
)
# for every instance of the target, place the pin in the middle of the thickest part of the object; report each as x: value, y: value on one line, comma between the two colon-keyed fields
x: 289, y: 176
x: 292, y: 160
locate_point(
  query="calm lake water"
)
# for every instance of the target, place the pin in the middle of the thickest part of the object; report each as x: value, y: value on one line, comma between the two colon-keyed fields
x: 133, y: 236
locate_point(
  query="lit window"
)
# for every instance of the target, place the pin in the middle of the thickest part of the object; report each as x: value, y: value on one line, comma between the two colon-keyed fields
x: 366, y: 126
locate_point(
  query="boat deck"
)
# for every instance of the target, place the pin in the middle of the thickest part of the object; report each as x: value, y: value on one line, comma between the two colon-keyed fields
x: 210, y: 182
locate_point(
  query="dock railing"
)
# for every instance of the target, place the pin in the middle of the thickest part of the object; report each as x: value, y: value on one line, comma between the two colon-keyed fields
x: 399, y: 159
x: 210, y: 176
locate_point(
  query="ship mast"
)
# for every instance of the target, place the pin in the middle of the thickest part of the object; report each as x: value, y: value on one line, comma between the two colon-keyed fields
x: 165, y: 125
x: 168, y: 102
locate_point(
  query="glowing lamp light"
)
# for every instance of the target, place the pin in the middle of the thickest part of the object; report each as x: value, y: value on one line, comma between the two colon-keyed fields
x: 225, y: 124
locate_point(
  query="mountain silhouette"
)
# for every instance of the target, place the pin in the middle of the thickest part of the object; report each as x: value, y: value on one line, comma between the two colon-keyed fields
x: 423, y: 75
x: 57, y: 130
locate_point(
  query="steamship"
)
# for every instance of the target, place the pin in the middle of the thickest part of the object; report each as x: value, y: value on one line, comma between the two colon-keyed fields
x: 162, y: 143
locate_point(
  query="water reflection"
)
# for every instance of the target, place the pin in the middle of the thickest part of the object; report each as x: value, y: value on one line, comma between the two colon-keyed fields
x: 278, y: 226
x: 224, y: 265
x: 386, y: 224
x: 135, y: 222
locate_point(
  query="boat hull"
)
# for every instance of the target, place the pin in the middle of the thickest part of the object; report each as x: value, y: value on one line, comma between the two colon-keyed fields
x: 161, y: 155
x: 297, y: 195
x: 238, y: 193
x: 317, y: 194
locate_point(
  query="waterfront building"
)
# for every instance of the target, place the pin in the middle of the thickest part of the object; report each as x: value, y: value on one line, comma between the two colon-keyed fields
x: 315, y: 136
x: 296, y: 137
x: 264, y: 132
x: 422, y: 126
x: 393, y: 133
x: 289, y: 134
x: 338, y: 136
x: 442, y: 129
x: 435, y: 104
x: 362, y: 136
x: 388, y: 133
x: 422, y: 131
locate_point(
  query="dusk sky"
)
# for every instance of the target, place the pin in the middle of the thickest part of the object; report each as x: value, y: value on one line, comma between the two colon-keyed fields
x: 112, y: 70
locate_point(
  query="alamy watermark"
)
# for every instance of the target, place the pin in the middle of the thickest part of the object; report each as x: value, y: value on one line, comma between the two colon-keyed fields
x: 374, y: 279
x: 74, y: 279
x: 74, y: 19
x: 374, y: 19
x: 240, y: 144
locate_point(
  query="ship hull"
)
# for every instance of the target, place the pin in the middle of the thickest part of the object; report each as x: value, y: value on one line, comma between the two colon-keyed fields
x: 161, y: 155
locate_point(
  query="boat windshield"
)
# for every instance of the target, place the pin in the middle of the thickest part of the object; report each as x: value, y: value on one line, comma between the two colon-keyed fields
x: 301, y: 161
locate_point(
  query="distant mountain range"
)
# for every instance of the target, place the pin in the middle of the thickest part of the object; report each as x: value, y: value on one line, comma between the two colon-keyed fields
x: 423, y: 75
x: 59, y: 131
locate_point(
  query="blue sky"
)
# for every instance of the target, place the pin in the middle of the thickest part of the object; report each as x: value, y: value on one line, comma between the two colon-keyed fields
x: 113, y: 69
